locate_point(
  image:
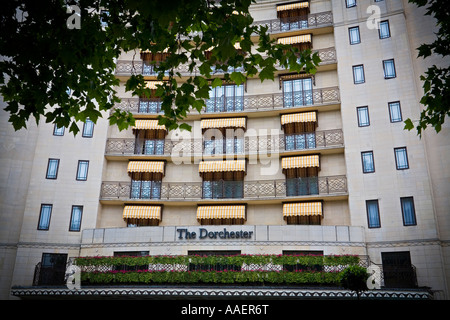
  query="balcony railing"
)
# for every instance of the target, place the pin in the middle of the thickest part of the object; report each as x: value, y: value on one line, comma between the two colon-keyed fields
x: 250, y: 103
x: 261, y: 189
x: 129, y: 67
x: 315, y: 20
x: 251, y: 145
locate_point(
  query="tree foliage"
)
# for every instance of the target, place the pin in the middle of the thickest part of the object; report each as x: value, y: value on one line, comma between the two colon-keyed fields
x: 65, y: 75
x: 436, y: 81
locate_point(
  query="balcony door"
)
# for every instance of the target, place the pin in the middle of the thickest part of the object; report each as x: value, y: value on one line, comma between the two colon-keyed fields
x: 297, y: 92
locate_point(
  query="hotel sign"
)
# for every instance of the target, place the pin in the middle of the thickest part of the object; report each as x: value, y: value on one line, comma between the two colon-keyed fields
x: 214, y: 233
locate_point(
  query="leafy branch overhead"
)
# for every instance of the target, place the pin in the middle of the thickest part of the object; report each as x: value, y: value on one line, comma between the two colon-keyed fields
x: 66, y: 75
x: 436, y: 81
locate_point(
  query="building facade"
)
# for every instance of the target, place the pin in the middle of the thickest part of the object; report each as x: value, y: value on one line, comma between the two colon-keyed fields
x: 303, y: 164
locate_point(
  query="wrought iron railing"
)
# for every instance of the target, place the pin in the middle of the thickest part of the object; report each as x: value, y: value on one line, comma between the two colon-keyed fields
x: 251, y: 145
x: 260, y: 189
x: 314, y: 20
x: 129, y: 67
x: 261, y: 102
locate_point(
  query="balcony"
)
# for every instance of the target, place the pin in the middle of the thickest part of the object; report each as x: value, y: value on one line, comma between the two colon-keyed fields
x: 334, y: 186
x: 324, y: 97
x: 125, y: 68
x: 261, y: 145
x: 312, y: 21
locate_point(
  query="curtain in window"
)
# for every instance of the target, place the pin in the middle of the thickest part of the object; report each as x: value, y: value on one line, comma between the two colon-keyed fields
x: 297, y: 92
x: 373, y: 214
x: 358, y: 74
x: 75, y: 222
x: 52, y: 168
x: 368, y: 164
x: 402, y: 160
x: 82, y: 170
x: 395, y: 112
x: 389, y: 70
x: 409, y: 216
x: 44, y: 219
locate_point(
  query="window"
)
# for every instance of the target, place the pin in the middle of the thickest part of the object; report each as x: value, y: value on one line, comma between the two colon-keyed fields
x: 58, y: 131
x: 367, y: 162
x: 358, y: 74
x: 354, y: 35
x: 75, y: 218
x: 383, y: 30
x: 44, y: 216
x: 373, y: 214
x: 389, y: 69
x: 52, y: 169
x: 363, y: 116
x: 408, y: 211
x: 82, y: 171
x: 395, y: 112
x: 350, y: 3
x: 226, y: 98
x: 401, y: 158
x: 297, y: 92
x: 88, y: 129
x: 146, y: 185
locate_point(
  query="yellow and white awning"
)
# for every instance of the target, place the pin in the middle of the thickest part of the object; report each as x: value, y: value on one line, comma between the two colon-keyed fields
x: 298, y: 117
x: 146, y: 166
x: 293, y: 6
x: 142, y: 212
x: 224, y: 123
x: 300, y: 162
x: 221, y: 166
x: 148, y: 125
x: 302, y: 209
x: 295, y: 39
x: 152, y: 84
x: 221, y: 212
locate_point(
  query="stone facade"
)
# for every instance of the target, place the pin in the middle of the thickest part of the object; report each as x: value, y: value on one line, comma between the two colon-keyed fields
x: 344, y: 227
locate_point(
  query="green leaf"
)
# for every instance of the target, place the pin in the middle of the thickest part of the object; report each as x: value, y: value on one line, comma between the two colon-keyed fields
x: 237, y: 77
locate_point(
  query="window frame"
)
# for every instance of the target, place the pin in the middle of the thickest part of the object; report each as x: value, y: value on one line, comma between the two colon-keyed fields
x: 393, y: 67
x: 72, y: 218
x: 350, y: 35
x: 384, y: 36
x: 373, y: 161
x: 40, y: 225
x: 370, y: 222
x: 414, y: 223
x: 359, y: 119
x: 56, y: 131
x: 78, y: 178
x: 363, y: 74
x: 399, y: 111
x: 396, y: 150
x: 90, y: 133
x: 350, y: 5
x: 48, y: 167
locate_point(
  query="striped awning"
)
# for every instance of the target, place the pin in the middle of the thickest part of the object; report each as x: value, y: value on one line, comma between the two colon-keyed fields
x: 302, y: 209
x: 293, y: 6
x: 221, y: 166
x: 221, y: 212
x: 224, y: 123
x: 300, y: 162
x: 142, y: 212
x: 148, y: 125
x: 152, y: 84
x: 146, y: 166
x: 298, y: 117
x: 295, y: 39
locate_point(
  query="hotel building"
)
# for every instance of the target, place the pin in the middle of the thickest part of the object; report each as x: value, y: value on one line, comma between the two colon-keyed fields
x: 304, y: 164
